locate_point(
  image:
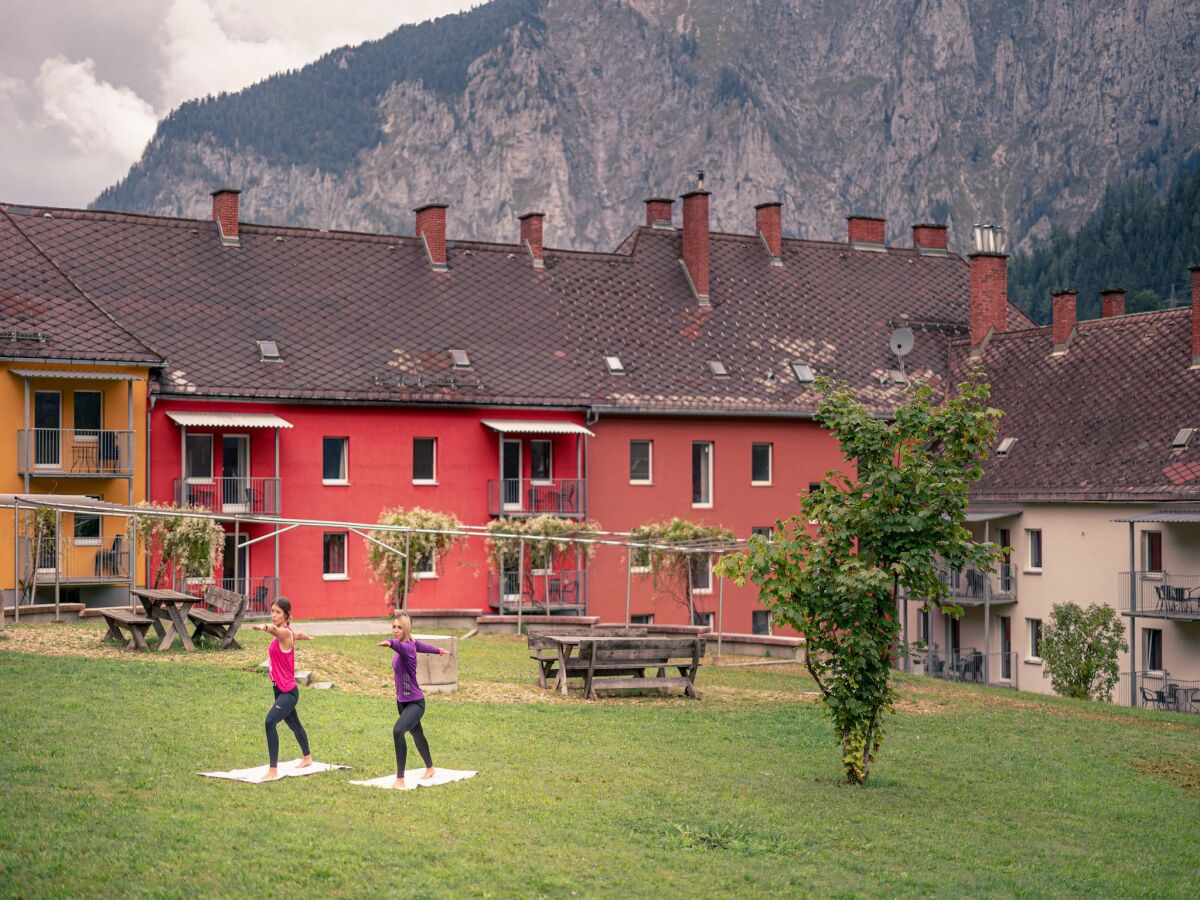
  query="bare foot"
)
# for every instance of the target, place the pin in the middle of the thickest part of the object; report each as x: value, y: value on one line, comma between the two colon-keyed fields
x: 305, y: 763
x: 272, y: 775
x: 428, y: 774
x: 398, y: 784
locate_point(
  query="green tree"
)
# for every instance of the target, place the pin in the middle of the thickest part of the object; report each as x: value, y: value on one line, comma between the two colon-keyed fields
x: 1079, y: 650
x: 833, y: 572
x: 392, y: 553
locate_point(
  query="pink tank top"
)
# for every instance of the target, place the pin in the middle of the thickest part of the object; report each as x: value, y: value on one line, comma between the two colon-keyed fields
x: 283, y: 665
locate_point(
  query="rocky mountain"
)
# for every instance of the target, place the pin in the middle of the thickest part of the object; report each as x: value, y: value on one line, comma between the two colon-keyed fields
x: 1020, y: 113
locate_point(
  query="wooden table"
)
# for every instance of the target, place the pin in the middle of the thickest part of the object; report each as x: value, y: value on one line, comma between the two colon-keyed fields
x: 172, y: 606
x: 622, y: 662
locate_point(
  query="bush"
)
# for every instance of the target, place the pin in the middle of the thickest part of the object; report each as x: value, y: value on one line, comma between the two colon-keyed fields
x: 1079, y: 649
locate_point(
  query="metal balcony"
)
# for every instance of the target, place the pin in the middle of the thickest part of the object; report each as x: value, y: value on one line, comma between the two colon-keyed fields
x: 975, y: 587
x: 74, y: 452
x: 561, y: 497
x: 71, y: 560
x: 559, y: 591
x: 229, y: 495
x: 1159, y: 595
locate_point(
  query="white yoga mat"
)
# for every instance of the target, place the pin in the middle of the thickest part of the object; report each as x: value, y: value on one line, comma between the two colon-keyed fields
x: 286, y: 770
x: 413, y: 780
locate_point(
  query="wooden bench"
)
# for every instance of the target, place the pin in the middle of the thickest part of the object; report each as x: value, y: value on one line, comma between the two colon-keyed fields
x: 118, y: 618
x: 545, y: 651
x: 622, y: 663
x: 223, y: 625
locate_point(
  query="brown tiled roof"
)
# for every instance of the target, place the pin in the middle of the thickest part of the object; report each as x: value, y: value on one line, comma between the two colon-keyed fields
x: 43, y: 315
x: 363, y: 318
x: 1097, y: 422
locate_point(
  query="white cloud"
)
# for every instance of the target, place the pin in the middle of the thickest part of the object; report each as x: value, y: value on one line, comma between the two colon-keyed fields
x: 95, y: 116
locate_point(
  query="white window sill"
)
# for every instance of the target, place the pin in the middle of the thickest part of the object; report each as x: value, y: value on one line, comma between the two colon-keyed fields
x: 328, y: 577
x: 338, y: 482
x: 640, y: 570
x: 1152, y: 576
x: 542, y: 482
x: 207, y: 480
x: 424, y: 576
x: 1157, y: 673
x: 1032, y: 572
x: 702, y: 506
x: 1033, y: 661
x: 425, y: 481
x: 701, y: 593
x: 762, y: 484
x: 87, y: 542
x: 640, y: 482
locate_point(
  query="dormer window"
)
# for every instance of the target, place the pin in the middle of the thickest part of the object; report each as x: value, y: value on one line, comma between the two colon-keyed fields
x: 615, y: 366
x: 460, y: 359
x: 268, y: 351
x: 803, y: 372
x: 1005, y: 446
x: 718, y: 368
x: 1182, y: 438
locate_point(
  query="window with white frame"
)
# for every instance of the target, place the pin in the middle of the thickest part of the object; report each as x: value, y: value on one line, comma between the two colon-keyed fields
x: 1035, y: 638
x: 1033, y: 538
x: 765, y: 531
x: 760, y: 463
x: 541, y: 455
x: 642, y: 619
x: 1153, y: 651
x: 334, y: 567
x: 700, y: 573
x: 334, y: 451
x: 424, y: 460
x: 87, y: 527
x: 641, y: 462
x: 425, y: 565
x: 199, y: 456
x: 702, y: 618
x: 640, y: 559
x: 1152, y: 551
x: 88, y: 415
x: 760, y: 621
x: 702, y: 473
x: 923, y: 626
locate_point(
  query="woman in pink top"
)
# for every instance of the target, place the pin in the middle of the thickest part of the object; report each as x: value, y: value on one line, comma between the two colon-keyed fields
x: 282, y: 656
x: 410, y: 701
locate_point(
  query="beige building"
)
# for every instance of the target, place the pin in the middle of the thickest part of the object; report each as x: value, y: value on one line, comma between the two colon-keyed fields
x: 1094, y: 485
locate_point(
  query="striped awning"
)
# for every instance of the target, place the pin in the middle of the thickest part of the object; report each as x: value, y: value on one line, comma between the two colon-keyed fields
x: 534, y: 426
x: 227, y: 420
x: 88, y: 375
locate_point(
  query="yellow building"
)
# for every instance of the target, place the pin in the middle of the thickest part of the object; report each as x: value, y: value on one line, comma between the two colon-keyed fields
x: 73, y: 401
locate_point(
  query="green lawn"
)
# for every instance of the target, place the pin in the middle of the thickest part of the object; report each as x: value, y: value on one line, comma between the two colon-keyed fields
x: 976, y: 792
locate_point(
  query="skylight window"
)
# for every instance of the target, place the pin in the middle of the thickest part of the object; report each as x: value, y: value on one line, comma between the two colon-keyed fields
x: 1005, y: 446
x: 269, y: 351
x: 718, y: 368
x: 1183, y: 438
x: 615, y: 366
x: 461, y: 359
x: 803, y: 372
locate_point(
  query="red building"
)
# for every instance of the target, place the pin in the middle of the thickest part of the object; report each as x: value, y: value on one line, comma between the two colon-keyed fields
x: 328, y: 376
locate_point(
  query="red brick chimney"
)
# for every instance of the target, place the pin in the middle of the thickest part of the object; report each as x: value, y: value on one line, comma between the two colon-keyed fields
x: 1112, y: 303
x: 989, y: 295
x: 431, y: 228
x: 1064, y: 319
x: 531, y: 236
x: 865, y: 230
x: 768, y: 221
x: 659, y: 211
x: 1195, y: 270
x: 225, y: 214
x: 929, y: 237
x: 695, y: 242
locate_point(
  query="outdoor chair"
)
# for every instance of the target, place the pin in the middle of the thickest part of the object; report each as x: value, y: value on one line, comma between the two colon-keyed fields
x: 108, y: 562
x: 1156, y: 698
x: 259, y: 604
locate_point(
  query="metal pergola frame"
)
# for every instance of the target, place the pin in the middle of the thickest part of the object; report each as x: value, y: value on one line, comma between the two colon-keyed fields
x: 73, y: 504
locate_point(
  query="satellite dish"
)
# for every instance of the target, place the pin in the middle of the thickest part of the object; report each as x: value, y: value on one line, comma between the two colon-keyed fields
x: 901, y: 341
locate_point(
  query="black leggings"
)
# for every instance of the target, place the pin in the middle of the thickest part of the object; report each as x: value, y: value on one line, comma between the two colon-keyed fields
x: 284, y: 711
x: 410, y: 720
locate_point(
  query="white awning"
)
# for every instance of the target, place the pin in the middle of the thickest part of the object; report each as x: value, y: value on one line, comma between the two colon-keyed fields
x: 227, y: 420
x: 535, y: 426
x: 84, y: 375
x: 990, y: 515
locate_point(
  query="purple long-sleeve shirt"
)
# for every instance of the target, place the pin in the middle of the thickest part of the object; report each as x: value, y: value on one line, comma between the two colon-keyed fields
x: 404, y: 664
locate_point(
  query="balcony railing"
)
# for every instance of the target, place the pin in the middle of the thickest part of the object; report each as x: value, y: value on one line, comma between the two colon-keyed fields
x: 974, y: 587
x: 563, y: 497
x: 229, y: 495
x: 69, y: 451
x: 1159, y: 595
x: 260, y: 591
x: 73, y: 560
x: 1158, y: 690
x: 560, y: 590
x: 970, y: 665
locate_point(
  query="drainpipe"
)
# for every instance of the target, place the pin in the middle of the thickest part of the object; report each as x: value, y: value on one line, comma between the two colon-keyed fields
x: 57, y: 561
x: 27, y: 441
x: 628, y: 581
x: 1132, y: 621
x: 987, y: 610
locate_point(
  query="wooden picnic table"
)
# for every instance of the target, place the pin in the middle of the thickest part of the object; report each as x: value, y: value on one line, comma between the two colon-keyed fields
x: 622, y: 662
x: 170, y: 605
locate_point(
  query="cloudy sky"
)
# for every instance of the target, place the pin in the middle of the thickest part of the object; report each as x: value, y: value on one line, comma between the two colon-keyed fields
x: 83, y: 83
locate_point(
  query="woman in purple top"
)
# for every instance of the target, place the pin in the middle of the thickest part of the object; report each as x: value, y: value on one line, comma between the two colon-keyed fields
x: 410, y: 702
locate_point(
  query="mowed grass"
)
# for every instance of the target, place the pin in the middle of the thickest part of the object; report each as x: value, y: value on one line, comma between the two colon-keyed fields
x: 977, y: 791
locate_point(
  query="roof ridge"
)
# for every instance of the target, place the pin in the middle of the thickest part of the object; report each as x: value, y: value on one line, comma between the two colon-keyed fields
x: 155, y: 355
